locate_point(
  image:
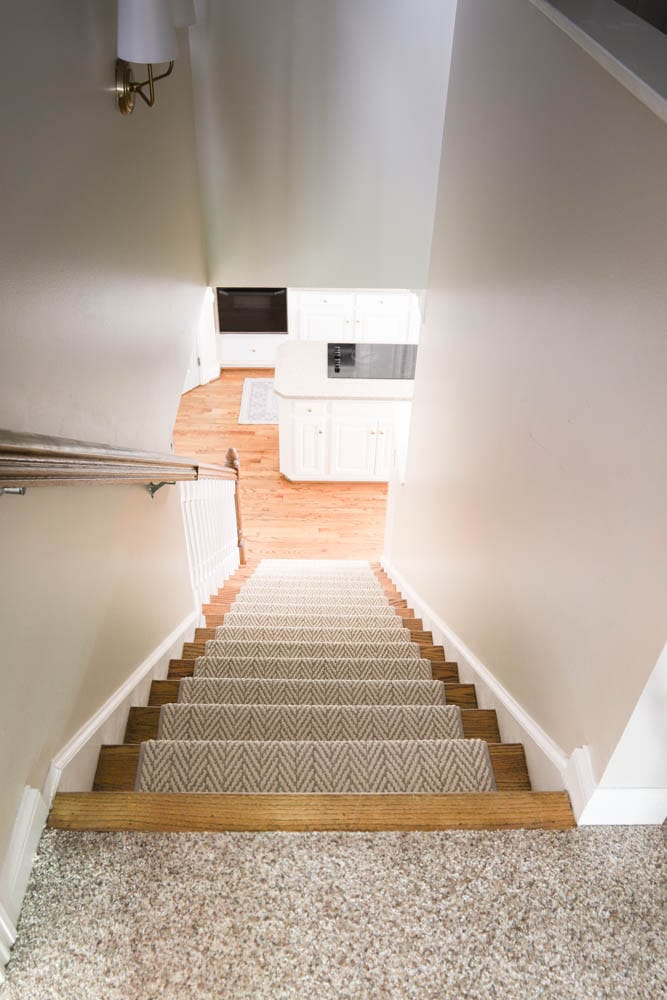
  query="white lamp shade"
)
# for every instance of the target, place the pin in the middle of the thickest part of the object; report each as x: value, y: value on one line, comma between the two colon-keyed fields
x: 146, y: 31
x: 183, y: 12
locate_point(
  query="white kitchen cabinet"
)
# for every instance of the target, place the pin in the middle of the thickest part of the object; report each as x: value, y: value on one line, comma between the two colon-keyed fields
x: 310, y: 448
x: 325, y: 316
x: 382, y: 318
x: 249, y: 350
x: 385, y: 447
x: 352, y: 448
x: 341, y: 440
x: 390, y: 316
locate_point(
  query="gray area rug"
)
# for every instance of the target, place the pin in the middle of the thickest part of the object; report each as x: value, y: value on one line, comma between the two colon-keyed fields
x: 259, y: 403
x: 453, y: 916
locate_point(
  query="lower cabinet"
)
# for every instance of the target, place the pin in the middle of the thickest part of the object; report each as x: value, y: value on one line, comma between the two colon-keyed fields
x: 310, y: 451
x: 249, y: 350
x: 342, y: 441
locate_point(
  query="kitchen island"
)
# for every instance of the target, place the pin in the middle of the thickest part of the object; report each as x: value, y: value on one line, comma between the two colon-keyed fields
x: 338, y: 429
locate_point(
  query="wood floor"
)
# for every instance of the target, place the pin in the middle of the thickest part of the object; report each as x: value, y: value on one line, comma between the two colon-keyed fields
x: 281, y: 519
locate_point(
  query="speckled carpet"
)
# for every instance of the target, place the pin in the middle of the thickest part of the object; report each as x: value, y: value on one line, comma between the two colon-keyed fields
x: 513, y: 916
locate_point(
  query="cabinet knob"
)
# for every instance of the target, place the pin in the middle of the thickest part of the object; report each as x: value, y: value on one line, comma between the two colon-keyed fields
x: 373, y: 432
x: 309, y: 410
x: 380, y: 432
x: 320, y: 432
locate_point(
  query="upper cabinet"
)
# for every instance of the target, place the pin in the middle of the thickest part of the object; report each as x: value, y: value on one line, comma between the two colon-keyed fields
x: 384, y: 316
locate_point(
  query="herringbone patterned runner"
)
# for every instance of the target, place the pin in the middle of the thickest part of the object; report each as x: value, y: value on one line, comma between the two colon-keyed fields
x: 310, y: 722
x: 397, y: 766
x: 336, y: 650
x: 312, y: 685
x: 260, y: 690
x: 311, y: 669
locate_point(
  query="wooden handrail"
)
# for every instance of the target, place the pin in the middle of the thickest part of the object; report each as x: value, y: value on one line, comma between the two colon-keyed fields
x: 39, y: 460
x: 232, y: 462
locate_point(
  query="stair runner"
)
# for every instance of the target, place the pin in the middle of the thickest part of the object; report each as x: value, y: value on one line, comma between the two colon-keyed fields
x: 312, y: 685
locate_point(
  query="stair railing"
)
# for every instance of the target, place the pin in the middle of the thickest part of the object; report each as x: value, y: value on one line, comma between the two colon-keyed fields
x: 37, y: 460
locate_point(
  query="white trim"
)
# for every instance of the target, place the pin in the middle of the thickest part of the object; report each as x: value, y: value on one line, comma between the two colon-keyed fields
x: 549, y: 766
x: 547, y: 762
x: 79, y: 755
x: 17, y: 864
x: 580, y: 779
x: 7, y: 939
x: 625, y: 807
x: 75, y: 766
x: 611, y: 62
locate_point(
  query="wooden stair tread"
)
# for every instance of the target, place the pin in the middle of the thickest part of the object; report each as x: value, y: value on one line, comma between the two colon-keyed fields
x: 155, y: 812
x: 436, y: 654
x: 164, y: 692
x: 117, y: 767
x: 479, y: 723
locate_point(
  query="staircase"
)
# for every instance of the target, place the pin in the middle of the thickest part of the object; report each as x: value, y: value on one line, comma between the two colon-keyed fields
x: 314, y: 699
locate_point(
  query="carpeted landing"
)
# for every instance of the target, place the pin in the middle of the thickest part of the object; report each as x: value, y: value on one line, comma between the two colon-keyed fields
x: 307, y: 689
x: 520, y: 915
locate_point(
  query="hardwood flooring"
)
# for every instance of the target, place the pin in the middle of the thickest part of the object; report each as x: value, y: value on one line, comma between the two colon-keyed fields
x: 281, y: 519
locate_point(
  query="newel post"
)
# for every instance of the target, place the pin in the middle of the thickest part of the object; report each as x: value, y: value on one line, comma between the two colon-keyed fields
x: 232, y: 462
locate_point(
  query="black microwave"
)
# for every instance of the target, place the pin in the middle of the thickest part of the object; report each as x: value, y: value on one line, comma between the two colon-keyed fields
x: 252, y: 310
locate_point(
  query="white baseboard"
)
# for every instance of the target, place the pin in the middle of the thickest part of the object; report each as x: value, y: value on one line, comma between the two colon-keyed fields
x: 7, y: 939
x: 550, y: 768
x: 625, y: 807
x: 73, y: 768
x: 17, y: 863
x: 547, y: 763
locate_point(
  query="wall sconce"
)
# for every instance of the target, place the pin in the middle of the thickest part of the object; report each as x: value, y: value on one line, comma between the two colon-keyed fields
x: 146, y: 35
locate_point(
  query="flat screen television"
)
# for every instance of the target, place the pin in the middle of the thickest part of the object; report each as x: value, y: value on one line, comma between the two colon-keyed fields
x: 252, y: 310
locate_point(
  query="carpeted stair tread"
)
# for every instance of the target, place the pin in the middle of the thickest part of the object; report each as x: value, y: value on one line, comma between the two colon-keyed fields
x: 387, y: 632
x: 316, y: 650
x: 249, y: 690
x: 371, y: 585
x: 319, y: 767
x: 288, y: 603
x: 305, y: 669
x: 309, y: 619
x: 310, y: 722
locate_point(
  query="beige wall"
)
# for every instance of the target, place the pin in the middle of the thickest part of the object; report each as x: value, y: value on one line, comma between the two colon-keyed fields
x: 101, y: 286
x: 319, y: 128
x: 533, y: 517
x: 101, y: 268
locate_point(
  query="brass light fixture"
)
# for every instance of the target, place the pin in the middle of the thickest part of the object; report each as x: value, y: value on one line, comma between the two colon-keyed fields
x: 146, y: 35
x: 127, y: 87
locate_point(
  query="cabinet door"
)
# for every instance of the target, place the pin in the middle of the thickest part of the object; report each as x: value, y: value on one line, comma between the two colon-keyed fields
x: 382, y: 318
x: 309, y: 439
x: 352, y: 448
x: 326, y: 316
x: 384, y: 450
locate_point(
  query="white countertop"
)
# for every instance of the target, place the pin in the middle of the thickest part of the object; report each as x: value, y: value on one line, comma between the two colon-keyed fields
x: 301, y: 373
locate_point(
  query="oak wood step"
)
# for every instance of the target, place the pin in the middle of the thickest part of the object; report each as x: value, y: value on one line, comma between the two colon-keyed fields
x: 215, y: 619
x: 436, y: 654
x: 447, y: 671
x: 155, y: 812
x: 479, y: 723
x: 163, y: 692
x: 117, y: 767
